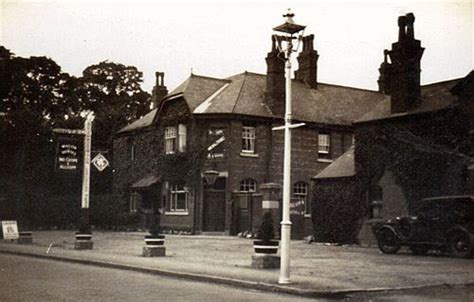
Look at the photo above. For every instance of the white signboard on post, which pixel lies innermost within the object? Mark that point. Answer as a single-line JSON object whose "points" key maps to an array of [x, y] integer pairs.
{"points": [[10, 229]]}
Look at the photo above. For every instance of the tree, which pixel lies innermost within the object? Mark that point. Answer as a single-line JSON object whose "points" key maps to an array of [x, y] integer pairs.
{"points": [[34, 95], [113, 91]]}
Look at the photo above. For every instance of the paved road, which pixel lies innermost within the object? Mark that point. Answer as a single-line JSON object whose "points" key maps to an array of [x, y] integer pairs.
{"points": [[30, 279]]}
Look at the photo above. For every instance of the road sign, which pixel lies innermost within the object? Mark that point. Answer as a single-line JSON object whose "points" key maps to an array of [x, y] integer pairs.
{"points": [[10, 229], [100, 162]]}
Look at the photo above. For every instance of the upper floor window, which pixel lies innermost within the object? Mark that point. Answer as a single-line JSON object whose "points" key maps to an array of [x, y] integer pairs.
{"points": [[248, 139], [175, 139], [248, 185], [300, 194], [324, 146]]}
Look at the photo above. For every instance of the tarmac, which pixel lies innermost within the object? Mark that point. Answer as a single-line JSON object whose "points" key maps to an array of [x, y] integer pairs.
{"points": [[317, 270]]}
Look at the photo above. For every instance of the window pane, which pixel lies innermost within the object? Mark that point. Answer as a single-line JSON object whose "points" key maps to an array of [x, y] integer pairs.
{"points": [[181, 201], [178, 198], [182, 138], [300, 193], [248, 185], [324, 143], [170, 140], [248, 139]]}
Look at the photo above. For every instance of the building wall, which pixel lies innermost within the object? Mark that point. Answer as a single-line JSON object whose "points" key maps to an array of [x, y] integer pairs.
{"points": [[265, 166]]}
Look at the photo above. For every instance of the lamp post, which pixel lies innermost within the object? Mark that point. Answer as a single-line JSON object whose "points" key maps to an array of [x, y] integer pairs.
{"points": [[289, 28]]}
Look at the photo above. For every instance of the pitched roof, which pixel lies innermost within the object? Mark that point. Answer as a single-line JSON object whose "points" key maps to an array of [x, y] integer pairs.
{"points": [[142, 122], [344, 166], [245, 94], [434, 97], [196, 89]]}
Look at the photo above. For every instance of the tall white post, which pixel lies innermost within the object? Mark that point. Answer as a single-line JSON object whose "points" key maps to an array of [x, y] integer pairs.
{"points": [[87, 160], [286, 223]]}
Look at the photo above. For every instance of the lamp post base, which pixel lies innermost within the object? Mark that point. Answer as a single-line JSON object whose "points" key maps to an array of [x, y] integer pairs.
{"points": [[154, 251], [83, 242], [25, 237], [263, 261], [284, 281], [83, 245]]}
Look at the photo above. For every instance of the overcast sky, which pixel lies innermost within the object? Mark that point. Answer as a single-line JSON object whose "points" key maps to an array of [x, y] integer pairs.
{"points": [[218, 40]]}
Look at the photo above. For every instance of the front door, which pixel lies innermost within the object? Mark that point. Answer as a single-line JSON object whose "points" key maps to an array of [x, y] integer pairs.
{"points": [[214, 211]]}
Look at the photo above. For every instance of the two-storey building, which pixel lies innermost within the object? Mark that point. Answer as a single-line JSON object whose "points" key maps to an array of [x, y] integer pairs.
{"points": [[223, 127]]}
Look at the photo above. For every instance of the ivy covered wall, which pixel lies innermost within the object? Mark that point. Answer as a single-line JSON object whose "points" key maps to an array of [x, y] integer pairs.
{"points": [[423, 153]]}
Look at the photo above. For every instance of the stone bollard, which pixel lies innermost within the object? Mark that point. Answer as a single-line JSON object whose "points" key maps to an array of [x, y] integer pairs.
{"points": [[155, 246], [83, 242]]}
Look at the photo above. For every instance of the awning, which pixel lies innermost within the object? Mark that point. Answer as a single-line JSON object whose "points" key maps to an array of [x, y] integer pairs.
{"points": [[146, 181]]}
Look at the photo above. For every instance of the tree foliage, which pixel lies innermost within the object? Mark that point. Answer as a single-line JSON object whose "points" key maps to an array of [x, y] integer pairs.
{"points": [[113, 91], [37, 96]]}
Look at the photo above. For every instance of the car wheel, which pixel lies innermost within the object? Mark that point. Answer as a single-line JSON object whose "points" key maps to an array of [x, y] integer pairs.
{"points": [[462, 245], [419, 249], [388, 242]]}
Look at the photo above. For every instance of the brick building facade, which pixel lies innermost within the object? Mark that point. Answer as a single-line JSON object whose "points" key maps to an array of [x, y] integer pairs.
{"points": [[225, 126]]}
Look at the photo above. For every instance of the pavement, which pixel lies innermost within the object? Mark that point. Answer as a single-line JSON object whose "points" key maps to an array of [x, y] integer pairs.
{"points": [[317, 270]]}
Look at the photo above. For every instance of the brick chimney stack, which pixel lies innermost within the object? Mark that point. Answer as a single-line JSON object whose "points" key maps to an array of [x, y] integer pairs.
{"points": [[385, 71], [159, 90], [308, 63], [275, 90], [405, 56]]}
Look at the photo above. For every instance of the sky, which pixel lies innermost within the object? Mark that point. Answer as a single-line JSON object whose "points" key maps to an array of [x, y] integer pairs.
{"points": [[223, 38]]}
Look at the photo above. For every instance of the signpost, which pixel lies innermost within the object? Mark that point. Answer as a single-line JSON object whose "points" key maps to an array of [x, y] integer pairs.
{"points": [[66, 158]]}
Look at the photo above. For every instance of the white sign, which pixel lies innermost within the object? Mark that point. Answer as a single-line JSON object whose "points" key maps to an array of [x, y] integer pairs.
{"points": [[100, 162], [10, 229]]}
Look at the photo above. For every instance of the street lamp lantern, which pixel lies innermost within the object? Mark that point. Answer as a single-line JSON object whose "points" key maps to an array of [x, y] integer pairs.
{"points": [[289, 29]]}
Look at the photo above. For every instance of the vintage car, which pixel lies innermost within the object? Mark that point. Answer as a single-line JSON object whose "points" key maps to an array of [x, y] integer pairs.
{"points": [[440, 223]]}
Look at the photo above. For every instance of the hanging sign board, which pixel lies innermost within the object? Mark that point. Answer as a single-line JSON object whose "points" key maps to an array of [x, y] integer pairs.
{"points": [[10, 229], [68, 154]]}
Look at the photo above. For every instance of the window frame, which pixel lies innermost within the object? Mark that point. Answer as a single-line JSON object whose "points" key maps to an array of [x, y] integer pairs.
{"points": [[324, 143], [249, 137], [375, 201], [175, 190], [246, 184], [175, 138], [298, 188], [170, 137], [134, 202]]}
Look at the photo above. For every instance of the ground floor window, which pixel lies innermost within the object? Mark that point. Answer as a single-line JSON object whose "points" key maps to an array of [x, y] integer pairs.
{"points": [[178, 200], [375, 200], [300, 195]]}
